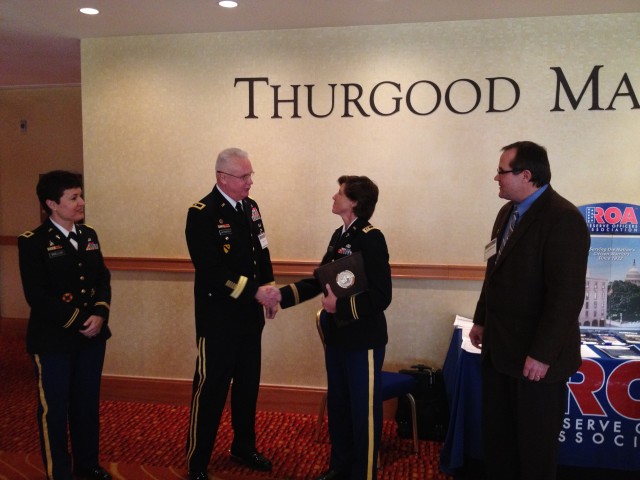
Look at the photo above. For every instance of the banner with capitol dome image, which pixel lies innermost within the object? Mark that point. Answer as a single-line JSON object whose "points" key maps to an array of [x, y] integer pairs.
{"points": [[612, 296], [601, 427]]}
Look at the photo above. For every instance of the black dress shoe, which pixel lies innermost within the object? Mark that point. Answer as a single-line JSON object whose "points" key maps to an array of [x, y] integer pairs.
{"points": [[255, 461], [331, 475], [198, 475], [95, 473]]}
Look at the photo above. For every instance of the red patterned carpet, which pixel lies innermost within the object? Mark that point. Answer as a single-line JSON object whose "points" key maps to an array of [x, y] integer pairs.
{"points": [[146, 441]]}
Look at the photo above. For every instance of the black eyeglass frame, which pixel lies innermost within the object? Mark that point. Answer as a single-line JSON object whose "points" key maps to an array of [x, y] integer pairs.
{"points": [[515, 171]]}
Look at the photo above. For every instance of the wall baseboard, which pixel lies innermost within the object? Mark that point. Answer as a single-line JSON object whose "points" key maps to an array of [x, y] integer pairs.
{"points": [[274, 398], [178, 392], [14, 326]]}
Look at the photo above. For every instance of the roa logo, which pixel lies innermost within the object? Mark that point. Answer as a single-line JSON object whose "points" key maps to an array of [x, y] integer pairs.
{"points": [[614, 216]]}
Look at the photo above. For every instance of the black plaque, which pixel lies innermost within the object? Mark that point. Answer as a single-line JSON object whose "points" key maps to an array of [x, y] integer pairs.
{"points": [[346, 275]]}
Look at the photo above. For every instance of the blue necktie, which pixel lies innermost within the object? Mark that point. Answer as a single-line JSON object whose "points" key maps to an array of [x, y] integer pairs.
{"points": [[513, 219]]}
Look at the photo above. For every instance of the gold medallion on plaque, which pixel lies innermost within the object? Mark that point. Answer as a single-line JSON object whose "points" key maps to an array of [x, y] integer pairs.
{"points": [[345, 279]]}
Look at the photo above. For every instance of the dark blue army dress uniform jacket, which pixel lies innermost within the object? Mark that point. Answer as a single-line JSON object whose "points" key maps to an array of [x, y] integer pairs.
{"points": [[64, 287], [231, 257], [364, 312]]}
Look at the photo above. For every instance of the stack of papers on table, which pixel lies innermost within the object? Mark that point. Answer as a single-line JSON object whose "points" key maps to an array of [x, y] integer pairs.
{"points": [[465, 325], [586, 352]]}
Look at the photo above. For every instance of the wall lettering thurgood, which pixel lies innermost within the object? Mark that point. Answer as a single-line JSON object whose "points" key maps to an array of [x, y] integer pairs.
{"points": [[422, 97]]}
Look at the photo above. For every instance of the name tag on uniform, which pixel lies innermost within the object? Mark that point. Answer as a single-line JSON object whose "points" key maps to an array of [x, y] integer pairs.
{"points": [[57, 253], [490, 249], [263, 240], [224, 229]]}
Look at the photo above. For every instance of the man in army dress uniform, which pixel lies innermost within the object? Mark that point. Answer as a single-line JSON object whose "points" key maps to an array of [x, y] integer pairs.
{"points": [[67, 286], [233, 283]]}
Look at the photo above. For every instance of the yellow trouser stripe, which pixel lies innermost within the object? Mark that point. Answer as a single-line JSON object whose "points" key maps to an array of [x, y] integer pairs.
{"points": [[45, 426], [195, 404], [370, 454]]}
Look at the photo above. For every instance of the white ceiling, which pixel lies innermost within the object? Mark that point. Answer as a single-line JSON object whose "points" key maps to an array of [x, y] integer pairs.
{"points": [[40, 39]]}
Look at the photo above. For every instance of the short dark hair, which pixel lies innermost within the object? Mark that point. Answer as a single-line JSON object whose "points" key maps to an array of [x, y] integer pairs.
{"points": [[533, 157], [362, 190], [52, 185]]}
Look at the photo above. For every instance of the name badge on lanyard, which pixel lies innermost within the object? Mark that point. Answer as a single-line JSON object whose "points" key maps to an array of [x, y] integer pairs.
{"points": [[263, 240], [490, 249]]}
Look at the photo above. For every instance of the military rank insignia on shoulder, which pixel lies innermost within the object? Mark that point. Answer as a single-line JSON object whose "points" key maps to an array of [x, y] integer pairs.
{"points": [[27, 234], [368, 228], [198, 205]]}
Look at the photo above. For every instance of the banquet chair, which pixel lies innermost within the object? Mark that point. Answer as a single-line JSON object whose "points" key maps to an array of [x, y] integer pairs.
{"points": [[394, 385]]}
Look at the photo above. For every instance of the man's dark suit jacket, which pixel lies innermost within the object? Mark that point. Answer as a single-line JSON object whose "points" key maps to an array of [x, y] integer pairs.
{"points": [[230, 262], [533, 293]]}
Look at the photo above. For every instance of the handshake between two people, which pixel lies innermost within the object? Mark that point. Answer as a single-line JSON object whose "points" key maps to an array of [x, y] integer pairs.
{"points": [[269, 296]]}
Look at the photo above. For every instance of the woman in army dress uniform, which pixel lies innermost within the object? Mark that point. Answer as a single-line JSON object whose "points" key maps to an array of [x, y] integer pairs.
{"points": [[67, 286], [354, 351]]}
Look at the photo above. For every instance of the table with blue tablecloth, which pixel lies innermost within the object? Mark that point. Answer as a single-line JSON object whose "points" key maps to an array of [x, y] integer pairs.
{"points": [[601, 428]]}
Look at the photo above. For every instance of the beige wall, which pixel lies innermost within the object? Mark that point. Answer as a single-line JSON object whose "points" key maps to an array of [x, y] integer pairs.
{"points": [[152, 321], [157, 109], [53, 140]]}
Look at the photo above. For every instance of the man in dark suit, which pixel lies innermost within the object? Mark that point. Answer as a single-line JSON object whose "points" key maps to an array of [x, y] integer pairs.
{"points": [[67, 286], [526, 320], [233, 281]]}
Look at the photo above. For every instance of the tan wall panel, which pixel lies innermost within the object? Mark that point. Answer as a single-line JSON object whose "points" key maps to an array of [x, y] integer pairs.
{"points": [[157, 109], [152, 322], [53, 140]]}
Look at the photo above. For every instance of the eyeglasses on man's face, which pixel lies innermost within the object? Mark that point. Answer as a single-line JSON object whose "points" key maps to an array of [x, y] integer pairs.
{"points": [[515, 171], [244, 178]]}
